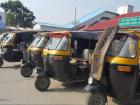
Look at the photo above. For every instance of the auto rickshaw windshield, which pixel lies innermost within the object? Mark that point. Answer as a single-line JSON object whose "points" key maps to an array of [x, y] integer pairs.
{"points": [[58, 43], [35, 41], [8, 39], [123, 46], [2, 36], [41, 43]]}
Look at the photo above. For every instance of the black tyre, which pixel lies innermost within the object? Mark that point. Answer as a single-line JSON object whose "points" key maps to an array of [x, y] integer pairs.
{"points": [[1, 62], [96, 99], [26, 71], [42, 83]]}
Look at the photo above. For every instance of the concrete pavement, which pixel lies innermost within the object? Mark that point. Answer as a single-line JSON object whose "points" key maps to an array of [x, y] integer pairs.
{"points": [[15, 89]]}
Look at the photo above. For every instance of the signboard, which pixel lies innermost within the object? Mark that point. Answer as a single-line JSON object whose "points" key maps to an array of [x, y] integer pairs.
{"points": [[133, 21]]}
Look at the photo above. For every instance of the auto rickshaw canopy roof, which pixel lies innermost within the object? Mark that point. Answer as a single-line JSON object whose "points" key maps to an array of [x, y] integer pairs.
{"points": [[89, 35], [24, 32], [130, 31], [43, 34]]}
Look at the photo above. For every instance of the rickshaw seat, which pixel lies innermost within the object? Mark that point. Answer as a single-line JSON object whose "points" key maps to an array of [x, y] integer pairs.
{"points": [[87, 54], [80, 63], [73, 61]]}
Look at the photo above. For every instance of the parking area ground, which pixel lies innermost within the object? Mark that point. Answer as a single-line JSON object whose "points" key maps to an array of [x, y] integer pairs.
{"points": [[15, 89]]}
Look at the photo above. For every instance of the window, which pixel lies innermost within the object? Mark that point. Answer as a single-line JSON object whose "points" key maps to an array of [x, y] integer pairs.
{"points": [[63, 45], [122, 46], [35, 41], [8, 39], [116, 45], [2, 36], [129, 48], [42, 43], [58, 43]]}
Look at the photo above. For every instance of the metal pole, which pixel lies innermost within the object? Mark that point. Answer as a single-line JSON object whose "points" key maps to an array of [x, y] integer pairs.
{"points": [[75, 18]]}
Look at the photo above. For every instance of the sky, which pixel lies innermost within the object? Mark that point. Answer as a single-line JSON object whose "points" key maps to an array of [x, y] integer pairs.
{"points": [[61, 12]]}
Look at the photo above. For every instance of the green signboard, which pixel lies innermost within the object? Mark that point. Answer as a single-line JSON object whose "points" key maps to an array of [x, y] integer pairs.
{"points": [[134, 21]]}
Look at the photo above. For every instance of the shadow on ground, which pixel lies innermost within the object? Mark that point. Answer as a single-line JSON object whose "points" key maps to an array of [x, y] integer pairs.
{"points": [[70, 87], [5, 100], [13, 67], [132, 103]]}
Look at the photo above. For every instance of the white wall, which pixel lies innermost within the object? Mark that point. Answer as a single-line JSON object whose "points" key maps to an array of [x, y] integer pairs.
{"points": [[124, 9], [48, 28]]}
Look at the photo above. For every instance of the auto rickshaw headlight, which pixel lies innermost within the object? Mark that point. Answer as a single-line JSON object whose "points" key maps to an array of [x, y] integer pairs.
{"points": [[124, 68], [90, 80]]}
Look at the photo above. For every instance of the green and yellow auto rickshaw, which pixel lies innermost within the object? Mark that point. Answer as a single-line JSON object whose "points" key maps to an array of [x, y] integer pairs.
{"points": [[12, 44], [33, 55], [66, 58], [115, 67]]}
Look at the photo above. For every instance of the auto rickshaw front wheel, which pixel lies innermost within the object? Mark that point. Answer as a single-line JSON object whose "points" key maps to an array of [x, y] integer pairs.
{"points": [[42, 83], [26, 71], [96, 99], [1, 62]]}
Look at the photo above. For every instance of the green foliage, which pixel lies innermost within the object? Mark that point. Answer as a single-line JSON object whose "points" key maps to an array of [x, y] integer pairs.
{"points": [[17, 14]]}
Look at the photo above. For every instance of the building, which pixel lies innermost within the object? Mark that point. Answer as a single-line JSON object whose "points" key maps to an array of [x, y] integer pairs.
{"points": [[124, 9], [90, 19], [110, 23], [2, 19], [48, 27]]}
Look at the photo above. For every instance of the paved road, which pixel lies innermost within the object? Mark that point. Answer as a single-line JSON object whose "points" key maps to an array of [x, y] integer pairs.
{"points": [[14, 89]]}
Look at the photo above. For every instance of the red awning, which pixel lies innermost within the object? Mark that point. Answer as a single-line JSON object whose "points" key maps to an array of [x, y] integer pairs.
{"points": [[110, 23]]}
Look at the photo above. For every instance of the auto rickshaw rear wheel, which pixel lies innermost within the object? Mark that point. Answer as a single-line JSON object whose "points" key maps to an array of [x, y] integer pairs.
{"points": [[26, 71], [1, 62], [96, 99], [42, 83]]}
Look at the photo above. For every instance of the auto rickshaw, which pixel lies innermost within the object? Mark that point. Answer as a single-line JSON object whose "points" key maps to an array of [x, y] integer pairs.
{"points": [[66, 58], [115, 67], [11, 45], [33, 55], [2, 36]]}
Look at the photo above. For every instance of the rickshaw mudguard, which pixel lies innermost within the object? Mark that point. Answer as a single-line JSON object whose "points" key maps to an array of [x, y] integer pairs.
{"points": [[95, 88], [27, 64], [43, 73], [123, 84]]}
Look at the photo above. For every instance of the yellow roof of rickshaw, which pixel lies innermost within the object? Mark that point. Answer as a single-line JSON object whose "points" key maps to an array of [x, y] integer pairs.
{"points": [[130, 31], [44, 34]]}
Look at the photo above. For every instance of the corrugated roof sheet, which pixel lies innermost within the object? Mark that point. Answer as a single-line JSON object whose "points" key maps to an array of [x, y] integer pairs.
{"points": [[71, 24], [109, 23], [84, 18]]}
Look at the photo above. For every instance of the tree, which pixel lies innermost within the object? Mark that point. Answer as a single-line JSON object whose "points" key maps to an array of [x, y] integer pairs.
{"points": [[17, 14]]}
